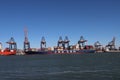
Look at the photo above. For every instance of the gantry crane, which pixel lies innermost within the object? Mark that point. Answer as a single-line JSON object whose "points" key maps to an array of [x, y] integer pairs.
{"points": [[81, 42], [97, 45], [0, 46], [111, 44], [66, 42], [12, 44], [26, 42], [43, 43], [60, 42]]}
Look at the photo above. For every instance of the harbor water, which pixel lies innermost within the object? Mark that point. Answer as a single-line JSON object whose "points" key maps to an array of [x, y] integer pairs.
{"points": [[92, 66]]}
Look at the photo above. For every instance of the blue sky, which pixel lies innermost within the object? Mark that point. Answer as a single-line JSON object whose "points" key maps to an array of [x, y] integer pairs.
{"points": [[96, 20]]}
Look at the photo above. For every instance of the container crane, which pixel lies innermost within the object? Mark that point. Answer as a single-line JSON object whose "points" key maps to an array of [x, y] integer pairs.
{"points": [[97, 45], [26, 42], [111, 44], [60, 45], [81, 42], [60, 42], [66, 42], [66, 46], [0, 46], [43, 43], [12, 44]]}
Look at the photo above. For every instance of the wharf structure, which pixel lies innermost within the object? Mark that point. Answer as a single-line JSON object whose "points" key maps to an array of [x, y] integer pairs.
{"points": [[63, 46]]}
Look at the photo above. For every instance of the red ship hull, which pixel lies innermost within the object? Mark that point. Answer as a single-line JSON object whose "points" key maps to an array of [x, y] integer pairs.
{"points": [[7, 52]]}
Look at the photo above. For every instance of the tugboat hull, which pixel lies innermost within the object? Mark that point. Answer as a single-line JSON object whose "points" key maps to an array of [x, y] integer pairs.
{"points": [[7, 53]]}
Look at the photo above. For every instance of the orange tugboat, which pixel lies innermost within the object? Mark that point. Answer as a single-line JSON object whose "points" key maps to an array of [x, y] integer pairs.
{"points": [[11, 50]]}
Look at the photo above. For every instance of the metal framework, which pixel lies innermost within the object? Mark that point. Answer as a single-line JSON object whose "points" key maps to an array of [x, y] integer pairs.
{"points": [[43, 43], [111, 44], [81, 42], [97, 45], [66, 42], [26, 42], [12, 44], [60, 42]]}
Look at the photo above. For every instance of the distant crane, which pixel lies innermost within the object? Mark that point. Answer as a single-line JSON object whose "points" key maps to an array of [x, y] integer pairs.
{"points": [[43, 43], [26, 42], [60, 42], [12, 44], [81, 42], [66, 42], [0, 46], [97, 45], [111, 44]]}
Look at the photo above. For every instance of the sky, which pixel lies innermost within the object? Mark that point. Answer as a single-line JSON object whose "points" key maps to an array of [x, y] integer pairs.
{"points": [[95, 20]]}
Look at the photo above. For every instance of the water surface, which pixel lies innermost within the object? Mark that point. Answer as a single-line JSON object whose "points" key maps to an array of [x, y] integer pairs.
{"points": [[101, 66]]}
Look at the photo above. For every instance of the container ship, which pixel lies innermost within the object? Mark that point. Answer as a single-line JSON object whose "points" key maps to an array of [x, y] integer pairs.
{"points": [[35, 51]]}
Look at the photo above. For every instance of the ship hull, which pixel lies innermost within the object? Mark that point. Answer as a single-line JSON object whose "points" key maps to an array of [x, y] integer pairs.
{"points": [[82, 51], [7, 53], [86, 51], [50, 52], [35, 52], [113, 51]]}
